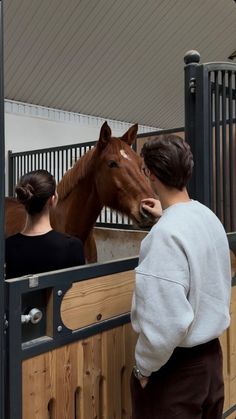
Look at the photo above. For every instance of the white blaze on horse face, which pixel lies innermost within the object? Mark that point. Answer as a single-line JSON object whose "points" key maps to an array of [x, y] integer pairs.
{"points": [[124, 154]]}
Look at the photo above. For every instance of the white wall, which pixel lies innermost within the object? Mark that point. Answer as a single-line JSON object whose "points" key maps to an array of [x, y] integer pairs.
{"points": [[29, 127], [24, 133]]}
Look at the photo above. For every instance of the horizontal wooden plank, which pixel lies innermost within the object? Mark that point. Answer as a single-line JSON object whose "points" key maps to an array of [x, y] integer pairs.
{"points": [[233, 262], [98, 299]]}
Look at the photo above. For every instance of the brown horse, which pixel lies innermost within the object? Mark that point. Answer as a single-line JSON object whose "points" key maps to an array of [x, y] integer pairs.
{"points": [[108, 175]]}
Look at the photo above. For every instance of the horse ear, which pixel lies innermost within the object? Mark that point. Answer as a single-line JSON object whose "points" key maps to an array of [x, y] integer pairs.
{"points": [[130, 136], [105, 135]]}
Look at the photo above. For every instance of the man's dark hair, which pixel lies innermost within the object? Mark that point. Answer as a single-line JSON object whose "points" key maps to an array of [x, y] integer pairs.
{"points": [[170, 159], [34, 189]]}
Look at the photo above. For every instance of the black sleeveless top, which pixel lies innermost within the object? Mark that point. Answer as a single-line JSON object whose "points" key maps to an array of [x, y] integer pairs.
{"points": [[47, 252]]}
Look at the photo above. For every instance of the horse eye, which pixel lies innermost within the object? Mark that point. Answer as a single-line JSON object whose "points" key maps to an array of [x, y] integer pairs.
{"points": [[112, 163]]}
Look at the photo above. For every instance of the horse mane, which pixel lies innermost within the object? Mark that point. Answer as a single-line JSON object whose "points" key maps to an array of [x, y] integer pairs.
{"points": [[72, 176]]}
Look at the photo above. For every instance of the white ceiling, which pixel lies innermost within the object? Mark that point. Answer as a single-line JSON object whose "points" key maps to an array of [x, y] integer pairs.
{"points": [[118, 59]]}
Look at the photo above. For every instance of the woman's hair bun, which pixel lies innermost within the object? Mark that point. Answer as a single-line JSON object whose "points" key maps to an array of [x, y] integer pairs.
{"points": [[25, 193], [34, 189]]}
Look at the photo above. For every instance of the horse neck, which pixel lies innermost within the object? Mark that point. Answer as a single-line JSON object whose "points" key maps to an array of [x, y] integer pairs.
{"points": [[77, 213]]}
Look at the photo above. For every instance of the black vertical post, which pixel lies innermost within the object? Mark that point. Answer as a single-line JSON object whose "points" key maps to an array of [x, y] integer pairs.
{"points": [[2, 247], [191, 59], [197, 126], [10, 173]]}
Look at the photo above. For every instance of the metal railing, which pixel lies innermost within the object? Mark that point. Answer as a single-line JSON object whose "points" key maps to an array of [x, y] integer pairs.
{"points": [[210, 128], [57, 160]]}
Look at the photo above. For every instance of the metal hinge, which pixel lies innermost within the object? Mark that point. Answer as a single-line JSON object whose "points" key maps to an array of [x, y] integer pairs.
{"points": [[33, 281], [192, 85], [5, 323]]}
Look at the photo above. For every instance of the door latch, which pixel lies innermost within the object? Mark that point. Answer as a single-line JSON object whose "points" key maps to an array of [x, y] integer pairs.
{"points": [[34, 316]]}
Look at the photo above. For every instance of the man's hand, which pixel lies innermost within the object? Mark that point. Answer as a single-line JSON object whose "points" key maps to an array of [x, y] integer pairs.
{"points": [[153, 206], [141, 378], [143, 381]]}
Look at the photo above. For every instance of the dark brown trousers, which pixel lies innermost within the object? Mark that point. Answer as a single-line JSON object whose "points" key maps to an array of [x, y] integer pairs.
{"points": [[189, 386]]}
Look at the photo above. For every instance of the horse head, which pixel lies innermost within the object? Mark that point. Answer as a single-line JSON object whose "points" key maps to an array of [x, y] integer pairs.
{"points": [[120, 182]]}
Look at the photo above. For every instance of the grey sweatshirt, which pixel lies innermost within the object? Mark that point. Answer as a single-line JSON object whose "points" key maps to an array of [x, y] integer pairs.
{"points": [[183, 284]]}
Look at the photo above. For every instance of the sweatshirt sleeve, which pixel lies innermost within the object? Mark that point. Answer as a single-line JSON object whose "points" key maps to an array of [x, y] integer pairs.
{"points": [[161, 314]]}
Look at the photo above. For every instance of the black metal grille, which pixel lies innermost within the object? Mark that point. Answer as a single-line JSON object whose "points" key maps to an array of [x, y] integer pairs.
{"points": [[57, 160], [210, 128], [223, 148]]}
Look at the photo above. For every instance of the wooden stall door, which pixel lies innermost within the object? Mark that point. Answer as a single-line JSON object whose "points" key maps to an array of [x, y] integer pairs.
{"points": [[89, 379], [84, 380]]}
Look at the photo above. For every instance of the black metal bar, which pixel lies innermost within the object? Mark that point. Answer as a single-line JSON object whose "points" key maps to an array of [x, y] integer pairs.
{"points": [[218, 146], [62, 163], [32, 161], [117, 217], [19, 165], [229, 412], [2, 215], [234, 134], [67, 153], [52, 149], [58, 165], [105, 212], [225, 158], [70, 158], [37, 347], [161, 131], [54, 163], [28, 163], [191, 60], [216, 65], [14, 356], [211, 146], [227, 90], [204, 179], [231, 153], [75, 274], [11, 168], [76, 151]]}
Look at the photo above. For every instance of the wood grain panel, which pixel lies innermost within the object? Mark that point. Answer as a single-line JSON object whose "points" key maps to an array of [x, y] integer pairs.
{"points": [[83, 380], [36, 388], [233, 263], [90, 378], [91, 301], [224, 345], [65, 381], [228, 343], [232, 416], [232, 350]]}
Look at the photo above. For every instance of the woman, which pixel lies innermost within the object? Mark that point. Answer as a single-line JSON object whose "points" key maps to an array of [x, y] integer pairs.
{"points": [[38, 248]]}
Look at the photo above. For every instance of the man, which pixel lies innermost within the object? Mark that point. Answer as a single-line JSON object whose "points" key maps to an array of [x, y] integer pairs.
{"points": [[182, 295]]}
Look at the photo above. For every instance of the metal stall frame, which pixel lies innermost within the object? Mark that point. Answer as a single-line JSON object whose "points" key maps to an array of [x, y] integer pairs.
{"points": [[3, 320], [58, 283], [210, 116]]}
